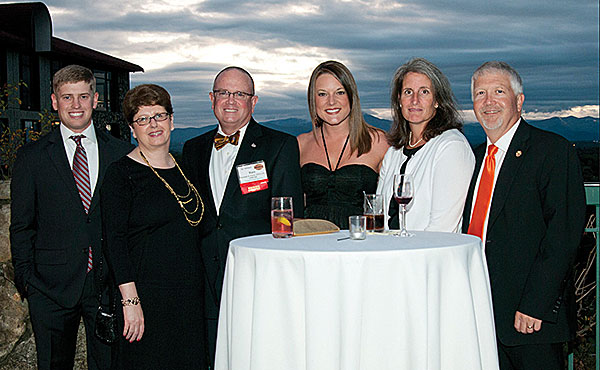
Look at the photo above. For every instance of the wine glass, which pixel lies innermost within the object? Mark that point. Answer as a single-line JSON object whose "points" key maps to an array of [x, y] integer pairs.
{"points": [[403, 194]]}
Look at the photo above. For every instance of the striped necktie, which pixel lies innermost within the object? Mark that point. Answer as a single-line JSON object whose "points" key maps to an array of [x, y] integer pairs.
{"points": [[81, 173]]}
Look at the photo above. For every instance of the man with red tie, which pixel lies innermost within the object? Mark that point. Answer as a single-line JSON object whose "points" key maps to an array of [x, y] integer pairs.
{"points": [[220, 163], [55, 230], [526, 202]]}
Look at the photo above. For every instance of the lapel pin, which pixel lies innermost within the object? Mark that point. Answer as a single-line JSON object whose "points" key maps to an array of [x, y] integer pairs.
{"points": [[253, 145], [518, 153]]}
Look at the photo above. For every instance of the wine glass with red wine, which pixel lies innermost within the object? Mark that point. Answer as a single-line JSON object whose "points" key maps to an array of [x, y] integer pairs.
{"points": [[403, 194]]}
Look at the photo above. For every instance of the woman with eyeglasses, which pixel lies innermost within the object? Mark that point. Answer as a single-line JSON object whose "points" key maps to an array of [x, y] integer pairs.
{"points": [[150, 213], [341, 156]]}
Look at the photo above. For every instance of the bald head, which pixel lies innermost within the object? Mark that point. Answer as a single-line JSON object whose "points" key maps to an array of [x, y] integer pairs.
{"points": [[233, 99], [238, 69]]}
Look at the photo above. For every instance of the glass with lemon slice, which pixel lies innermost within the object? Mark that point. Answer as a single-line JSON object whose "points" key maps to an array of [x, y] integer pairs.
{"points": [[282, 217]]}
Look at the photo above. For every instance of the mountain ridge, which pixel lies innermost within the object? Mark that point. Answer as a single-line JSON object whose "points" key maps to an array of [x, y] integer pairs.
{"points": [[572, 128]]}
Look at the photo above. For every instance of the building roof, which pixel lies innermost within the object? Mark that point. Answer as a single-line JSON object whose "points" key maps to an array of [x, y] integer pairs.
{"points": [[28, 27], [74, 51]]}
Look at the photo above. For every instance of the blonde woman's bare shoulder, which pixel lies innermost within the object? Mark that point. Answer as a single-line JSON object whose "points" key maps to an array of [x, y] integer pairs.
{"points": [[305, 138], [379, 140]]}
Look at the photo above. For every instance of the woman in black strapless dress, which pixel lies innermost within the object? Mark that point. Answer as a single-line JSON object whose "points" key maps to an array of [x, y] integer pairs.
{"points": [[340, 157]]}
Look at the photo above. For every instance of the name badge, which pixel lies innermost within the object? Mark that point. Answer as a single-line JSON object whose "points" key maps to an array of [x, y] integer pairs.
{"points": [[252, 177]]}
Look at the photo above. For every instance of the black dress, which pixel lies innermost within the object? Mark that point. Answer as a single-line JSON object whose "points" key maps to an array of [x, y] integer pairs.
{"points": [[149, 242], [335, 195]]}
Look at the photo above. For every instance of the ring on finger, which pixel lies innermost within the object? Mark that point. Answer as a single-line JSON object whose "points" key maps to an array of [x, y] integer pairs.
{"points": [[529, 326]]}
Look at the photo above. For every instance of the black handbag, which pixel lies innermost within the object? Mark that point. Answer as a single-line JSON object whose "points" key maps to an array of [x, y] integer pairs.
{"points": [[106, 329], [106, 326]]}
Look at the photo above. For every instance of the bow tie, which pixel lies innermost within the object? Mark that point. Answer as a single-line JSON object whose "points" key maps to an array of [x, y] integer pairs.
{"points": [[221, 141]]}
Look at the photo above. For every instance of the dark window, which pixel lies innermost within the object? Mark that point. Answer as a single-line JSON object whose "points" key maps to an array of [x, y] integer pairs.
{"points": [[3, 72], [29, 75], [103, 87], [2, 67], [30, 125], [55, 65]]}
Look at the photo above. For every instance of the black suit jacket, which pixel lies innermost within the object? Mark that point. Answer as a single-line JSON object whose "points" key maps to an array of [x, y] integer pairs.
{"points": [[535, 224], [50, 232], [240, 214]]}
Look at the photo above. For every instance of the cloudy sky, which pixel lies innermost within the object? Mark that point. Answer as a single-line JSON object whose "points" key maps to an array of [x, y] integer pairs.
{"points": [[182, 44]]}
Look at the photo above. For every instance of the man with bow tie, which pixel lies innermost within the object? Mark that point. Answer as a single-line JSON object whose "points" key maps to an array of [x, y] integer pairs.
{"points": [[218, 163], [526, 202]]}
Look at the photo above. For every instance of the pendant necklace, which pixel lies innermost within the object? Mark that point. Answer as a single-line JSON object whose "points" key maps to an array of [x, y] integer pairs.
{"points": [[327, 153]]}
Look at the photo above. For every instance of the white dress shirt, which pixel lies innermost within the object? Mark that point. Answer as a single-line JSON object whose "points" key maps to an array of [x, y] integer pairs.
{"points": [[502, 144], [89, 143], [221, 163], [441, 170]]}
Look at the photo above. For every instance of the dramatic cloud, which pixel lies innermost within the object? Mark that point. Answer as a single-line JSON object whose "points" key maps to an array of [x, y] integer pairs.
{"points": [[182, 44]]}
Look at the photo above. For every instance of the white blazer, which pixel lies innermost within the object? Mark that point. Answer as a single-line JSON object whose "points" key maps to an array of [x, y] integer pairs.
{"points": [[442, 171]]}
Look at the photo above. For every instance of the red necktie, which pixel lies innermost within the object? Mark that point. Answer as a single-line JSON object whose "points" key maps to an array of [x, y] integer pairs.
{"points": [[81, 174], [484, 193], [221, 141]]}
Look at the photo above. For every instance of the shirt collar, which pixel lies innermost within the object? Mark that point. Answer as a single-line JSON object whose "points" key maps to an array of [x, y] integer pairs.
{"points": [[242, 131], [89, 133], [504, 142]]}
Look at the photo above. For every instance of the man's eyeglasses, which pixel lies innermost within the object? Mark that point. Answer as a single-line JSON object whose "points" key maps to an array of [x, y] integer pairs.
{"points": [[237, 95], [159, 117]]}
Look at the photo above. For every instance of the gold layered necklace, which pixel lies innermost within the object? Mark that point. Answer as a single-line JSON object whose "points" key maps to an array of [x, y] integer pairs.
{"points": [[183, 200]]}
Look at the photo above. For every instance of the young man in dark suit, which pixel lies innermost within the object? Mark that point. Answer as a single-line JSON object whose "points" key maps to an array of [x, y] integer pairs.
{"points": [[55, 230], [217, 162], [526, 201]]}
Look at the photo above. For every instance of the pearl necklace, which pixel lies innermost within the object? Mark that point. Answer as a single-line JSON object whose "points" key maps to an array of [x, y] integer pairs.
{"points": [[412, 146]]}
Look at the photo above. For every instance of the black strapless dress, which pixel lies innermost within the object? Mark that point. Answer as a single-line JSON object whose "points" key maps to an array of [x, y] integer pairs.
{"points": [[335, 195]]}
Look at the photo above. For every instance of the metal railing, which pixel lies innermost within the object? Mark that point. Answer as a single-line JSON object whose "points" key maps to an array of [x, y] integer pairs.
{"points": [[592, 196]]}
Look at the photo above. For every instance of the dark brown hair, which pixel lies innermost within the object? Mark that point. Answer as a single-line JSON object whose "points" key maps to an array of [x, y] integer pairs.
{"points": [[145, 95], [446, 116]]}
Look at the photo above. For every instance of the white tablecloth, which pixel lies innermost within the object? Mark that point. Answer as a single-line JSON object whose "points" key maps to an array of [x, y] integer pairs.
{"points": [[420, 303]]}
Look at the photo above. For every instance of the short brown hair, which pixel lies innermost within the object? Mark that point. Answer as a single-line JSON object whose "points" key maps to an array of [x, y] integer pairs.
{"points": [[72, 74], [145, 95]]}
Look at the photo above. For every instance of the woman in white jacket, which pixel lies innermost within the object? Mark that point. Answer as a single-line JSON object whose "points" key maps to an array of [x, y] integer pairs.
{"points": [[426, 142]]}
